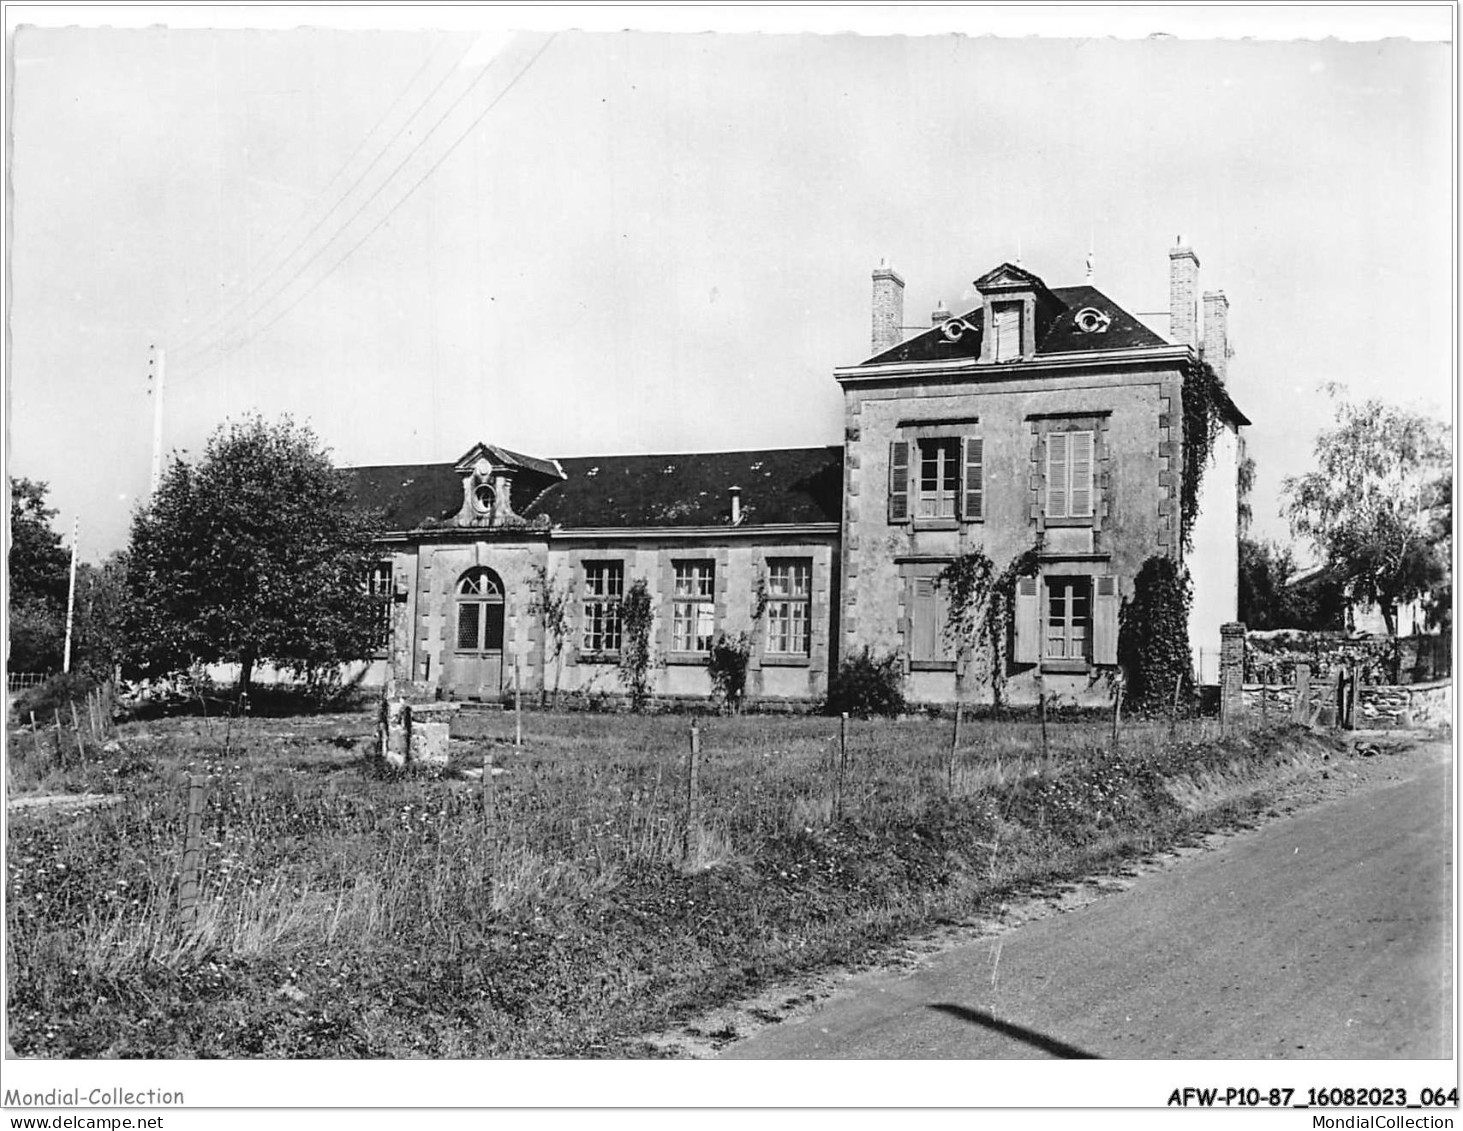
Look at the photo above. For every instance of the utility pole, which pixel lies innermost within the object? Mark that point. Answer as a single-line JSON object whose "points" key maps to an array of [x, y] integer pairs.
{"points": [[155, 376], [71, 594]]}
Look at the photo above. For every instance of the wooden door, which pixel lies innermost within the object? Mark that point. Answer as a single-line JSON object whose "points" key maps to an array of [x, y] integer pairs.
{"points": [[477, 637]]}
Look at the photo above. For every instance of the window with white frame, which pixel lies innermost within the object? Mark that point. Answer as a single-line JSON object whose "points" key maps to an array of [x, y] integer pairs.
{"points": [[1068, 633], [1069, 466], [939, 478], [789, 606], [604, 588], [693, 606], [479, 612]]}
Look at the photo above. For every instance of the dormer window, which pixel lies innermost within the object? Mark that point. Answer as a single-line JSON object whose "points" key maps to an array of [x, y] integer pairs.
{"points": [[1018, 308], [483, 497], [1006, 319]]}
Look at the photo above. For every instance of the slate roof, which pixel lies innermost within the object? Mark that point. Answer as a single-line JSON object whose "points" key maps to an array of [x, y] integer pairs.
{"points": [[782, 485], [1061, 334], [407, 495]]}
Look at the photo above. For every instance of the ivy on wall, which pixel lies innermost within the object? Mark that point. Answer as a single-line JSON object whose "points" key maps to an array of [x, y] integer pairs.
{"points": [[982, 612], [1203, 399], [1153, 634]]}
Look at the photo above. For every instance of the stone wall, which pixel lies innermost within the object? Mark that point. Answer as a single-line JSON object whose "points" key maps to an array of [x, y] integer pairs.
{"points": [[1382, 705], [1133, 508], [1270, 657]]}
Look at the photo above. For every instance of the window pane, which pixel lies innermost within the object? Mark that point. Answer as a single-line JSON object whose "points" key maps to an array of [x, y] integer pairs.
{"points": [[779, 578], [493, 627], [467, 626], [705, 625], [683, 613]]}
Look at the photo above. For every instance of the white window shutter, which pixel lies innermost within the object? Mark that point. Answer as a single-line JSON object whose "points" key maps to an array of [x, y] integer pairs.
{"points": [[1080, 453], [1027, 621], [972, 507], [1056, 475], [1105, 620]]}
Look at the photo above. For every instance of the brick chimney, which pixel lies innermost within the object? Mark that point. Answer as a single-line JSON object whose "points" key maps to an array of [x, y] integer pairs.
{"points": [[1183, 295], [940, 315], [1216, 333], [888, 307]]}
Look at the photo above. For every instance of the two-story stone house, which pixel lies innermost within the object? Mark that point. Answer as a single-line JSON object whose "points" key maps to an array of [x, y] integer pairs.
{"points": [[1045, 419], [1042, 419]]}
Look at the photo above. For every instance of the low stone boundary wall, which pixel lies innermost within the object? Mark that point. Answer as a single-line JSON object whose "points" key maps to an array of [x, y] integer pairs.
{"points": [[1408, 705]]}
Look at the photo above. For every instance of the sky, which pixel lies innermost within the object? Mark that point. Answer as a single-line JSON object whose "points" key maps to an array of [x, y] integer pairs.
{"points": [[595, 241]]}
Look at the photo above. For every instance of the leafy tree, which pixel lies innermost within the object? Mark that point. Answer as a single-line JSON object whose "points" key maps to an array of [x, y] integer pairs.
{"points": [[37, 634], [256, 554], [39, 576], [1377, 503], [551, 601], [101, 600], [1265, 573]]}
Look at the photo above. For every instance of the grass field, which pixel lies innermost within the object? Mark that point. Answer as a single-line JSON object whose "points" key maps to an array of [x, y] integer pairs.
{"points": [[562, 906]]}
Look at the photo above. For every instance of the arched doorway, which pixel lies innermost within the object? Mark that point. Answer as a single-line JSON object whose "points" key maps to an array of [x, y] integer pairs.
{"points": [[477, 636]]}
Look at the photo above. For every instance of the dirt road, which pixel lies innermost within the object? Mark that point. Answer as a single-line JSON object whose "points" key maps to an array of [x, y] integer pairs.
{"points": [[1324, 935]]}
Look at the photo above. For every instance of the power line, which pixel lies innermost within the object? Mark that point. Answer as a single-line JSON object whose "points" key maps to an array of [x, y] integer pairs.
{"points": [[254, 290], [389, 213]]}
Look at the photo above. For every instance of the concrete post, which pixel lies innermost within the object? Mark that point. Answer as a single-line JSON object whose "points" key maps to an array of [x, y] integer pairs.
{"points": [[1300, 710]]}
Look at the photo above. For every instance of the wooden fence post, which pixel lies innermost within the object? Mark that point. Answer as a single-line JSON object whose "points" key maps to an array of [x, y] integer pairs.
{"points": [[490, 809], [954, 746], [842, 765], [1041, 703], [517, 702], [693, 789], [1117, 715], [192, 850], [60, 742], [76, 732]]}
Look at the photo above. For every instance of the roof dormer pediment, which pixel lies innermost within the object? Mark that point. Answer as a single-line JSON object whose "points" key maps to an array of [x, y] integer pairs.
{"points": [[504, 460], [1008, 277]]}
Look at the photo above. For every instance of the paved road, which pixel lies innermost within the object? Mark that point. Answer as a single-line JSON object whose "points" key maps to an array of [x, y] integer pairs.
{"points": [[1326, 935]]}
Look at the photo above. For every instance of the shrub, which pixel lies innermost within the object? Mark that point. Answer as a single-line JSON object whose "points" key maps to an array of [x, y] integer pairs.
{"points": [[637, 615], [727, 664], [52, 696], [865, 686]]}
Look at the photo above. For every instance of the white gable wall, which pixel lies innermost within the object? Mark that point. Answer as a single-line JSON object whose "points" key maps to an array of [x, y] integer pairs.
{"points": [[1214, 561]]}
